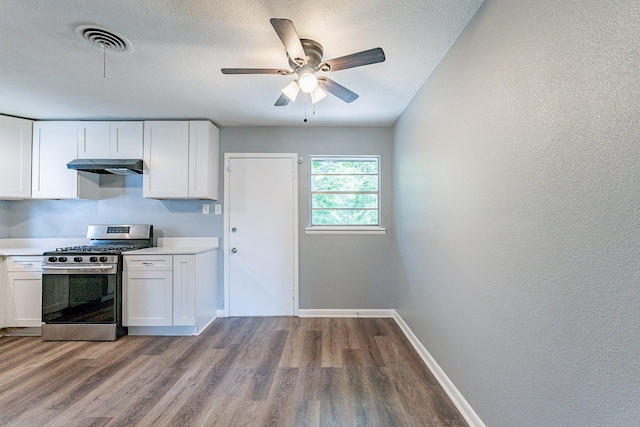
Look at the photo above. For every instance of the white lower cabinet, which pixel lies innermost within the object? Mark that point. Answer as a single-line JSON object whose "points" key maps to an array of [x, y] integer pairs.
{"points": [[184, 290], [23, 291], [148, 298], [147, 291], [169, 291], [3, 304]]}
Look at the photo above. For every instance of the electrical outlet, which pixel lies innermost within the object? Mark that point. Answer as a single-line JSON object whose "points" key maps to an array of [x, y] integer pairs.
{"points": [[217, 209], [205, 209]]}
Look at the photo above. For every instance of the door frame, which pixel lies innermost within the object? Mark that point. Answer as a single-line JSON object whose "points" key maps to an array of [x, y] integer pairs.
{"points": [[226, 231]]}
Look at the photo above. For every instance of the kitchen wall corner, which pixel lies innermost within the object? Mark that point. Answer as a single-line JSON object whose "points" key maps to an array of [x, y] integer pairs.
{"points": [[4, 219]]}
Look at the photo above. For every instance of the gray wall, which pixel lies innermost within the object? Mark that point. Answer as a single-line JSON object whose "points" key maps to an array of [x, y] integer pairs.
{"points": [[336, 271], [517, 213], [4, 219]]}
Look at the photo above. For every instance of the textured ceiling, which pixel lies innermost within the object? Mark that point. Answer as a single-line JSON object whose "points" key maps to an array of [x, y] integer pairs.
{"points": [[179, 46]]}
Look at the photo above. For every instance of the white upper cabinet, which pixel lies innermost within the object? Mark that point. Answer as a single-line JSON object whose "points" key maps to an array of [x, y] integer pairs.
{"points": [[203, 160], [55, 143], [110, 140], [166, 157], [15, 158], [126, 140], [181, 160], [94, 140]]}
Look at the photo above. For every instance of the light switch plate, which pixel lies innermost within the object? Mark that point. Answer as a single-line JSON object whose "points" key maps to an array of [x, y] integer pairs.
{"points": [[217, 209], [205, 209]]}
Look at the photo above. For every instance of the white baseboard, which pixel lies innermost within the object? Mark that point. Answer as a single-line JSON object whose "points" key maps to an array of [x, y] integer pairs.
{"points": [[345, 313], [463, 406], [313, 312]]}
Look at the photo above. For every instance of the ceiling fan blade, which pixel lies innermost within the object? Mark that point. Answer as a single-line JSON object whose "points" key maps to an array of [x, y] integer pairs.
{"points": [[289, 38], [366, 57], [337, 89], [282, 101], [255, 71]]}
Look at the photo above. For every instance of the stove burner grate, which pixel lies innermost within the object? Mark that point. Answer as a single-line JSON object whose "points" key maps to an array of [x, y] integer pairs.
{"points": [[100, 248]]}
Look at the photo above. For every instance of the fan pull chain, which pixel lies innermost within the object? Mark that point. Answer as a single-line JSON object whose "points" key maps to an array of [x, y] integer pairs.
{"points": [[305, 109], [104, 61]]}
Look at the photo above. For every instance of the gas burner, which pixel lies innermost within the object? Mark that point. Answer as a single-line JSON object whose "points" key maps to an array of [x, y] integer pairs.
{"points": [[100, 248], [110, 240]]}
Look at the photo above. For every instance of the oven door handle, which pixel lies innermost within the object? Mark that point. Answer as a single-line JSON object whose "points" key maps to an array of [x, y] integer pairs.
{"points": [[78, 268]]}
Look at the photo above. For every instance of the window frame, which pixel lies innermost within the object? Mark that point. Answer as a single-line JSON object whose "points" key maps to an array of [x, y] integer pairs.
{"points": [[351, 228]]}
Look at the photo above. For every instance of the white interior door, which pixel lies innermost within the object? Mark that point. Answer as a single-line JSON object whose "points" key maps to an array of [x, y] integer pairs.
{"points": [[261, 271]]}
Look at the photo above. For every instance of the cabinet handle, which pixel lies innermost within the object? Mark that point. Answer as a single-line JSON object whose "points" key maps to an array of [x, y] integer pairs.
{"points": [[147, 264], [27, 264]]}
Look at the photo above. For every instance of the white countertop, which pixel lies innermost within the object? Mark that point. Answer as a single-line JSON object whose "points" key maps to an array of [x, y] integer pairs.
{"points": [[166, 246], [23, 251], [179, 246], [172, 250], [36, 246]]}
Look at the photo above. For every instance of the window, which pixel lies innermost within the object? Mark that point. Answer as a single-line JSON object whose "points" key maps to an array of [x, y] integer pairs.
{"points": [[345, 191]]}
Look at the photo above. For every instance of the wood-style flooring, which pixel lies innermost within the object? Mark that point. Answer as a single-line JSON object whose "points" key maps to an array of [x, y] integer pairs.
{"points": [[274, 371]]}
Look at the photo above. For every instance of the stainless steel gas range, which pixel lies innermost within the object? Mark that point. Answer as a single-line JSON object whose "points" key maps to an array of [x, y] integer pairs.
{"points": [[82, 285]]}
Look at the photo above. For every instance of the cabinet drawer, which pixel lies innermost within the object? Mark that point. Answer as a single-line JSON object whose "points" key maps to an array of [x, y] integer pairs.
{"points": [[24, 263], [148, 262]]}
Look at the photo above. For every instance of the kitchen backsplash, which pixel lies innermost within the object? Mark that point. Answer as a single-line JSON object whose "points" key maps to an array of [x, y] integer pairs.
{"points": [[120, 201]]}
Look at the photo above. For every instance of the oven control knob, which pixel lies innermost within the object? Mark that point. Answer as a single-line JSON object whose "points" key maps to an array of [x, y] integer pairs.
{"points": [[103, 259], [78, 259], [62, 259], [52, 259], [93, 259]]}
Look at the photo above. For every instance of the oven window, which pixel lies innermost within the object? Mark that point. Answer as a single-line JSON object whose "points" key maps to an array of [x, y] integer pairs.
{"points": [[78, 298]]}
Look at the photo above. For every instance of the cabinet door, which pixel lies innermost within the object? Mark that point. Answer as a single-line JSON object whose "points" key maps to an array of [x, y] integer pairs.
{"points": [[147, 298], [15, 158], [203, 160], [184, 290], [166, 155], [24, 299], [126, 140], [94, 140], [3, 293], [54, 145]]}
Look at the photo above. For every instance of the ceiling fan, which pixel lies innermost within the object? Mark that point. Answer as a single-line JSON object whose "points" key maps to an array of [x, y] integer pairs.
{"points": [[305, 59]]}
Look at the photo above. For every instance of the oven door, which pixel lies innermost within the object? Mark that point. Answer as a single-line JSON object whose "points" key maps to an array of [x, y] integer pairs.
{"points": [[77, 294]]}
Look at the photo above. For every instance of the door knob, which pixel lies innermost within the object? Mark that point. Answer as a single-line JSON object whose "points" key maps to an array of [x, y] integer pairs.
{"points": [[233, 230], [234, 250]]}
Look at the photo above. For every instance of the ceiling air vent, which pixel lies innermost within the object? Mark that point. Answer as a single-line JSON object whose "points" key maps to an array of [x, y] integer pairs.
{"points": [[104, 39]]}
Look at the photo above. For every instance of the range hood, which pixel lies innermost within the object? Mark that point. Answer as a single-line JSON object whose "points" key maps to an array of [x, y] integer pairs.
{"points": [[106, 166]]}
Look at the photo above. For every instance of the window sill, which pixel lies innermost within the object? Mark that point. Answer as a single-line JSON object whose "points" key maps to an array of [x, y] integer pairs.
{"points": [[318, 229]]}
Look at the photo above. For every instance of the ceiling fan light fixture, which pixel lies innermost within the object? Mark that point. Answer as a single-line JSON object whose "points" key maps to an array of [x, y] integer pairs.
{"points": [[291, 90], [317, 95], [305, 59], [308, 82]]}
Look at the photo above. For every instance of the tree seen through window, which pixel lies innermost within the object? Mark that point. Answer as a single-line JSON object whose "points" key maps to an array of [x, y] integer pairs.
{"points": [[345, 190]]}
